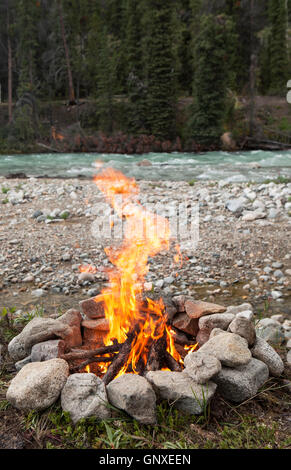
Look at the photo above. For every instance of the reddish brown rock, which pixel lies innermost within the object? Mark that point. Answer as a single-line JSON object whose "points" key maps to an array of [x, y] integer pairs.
{"points": [[94, 332], [101, 324], [179, 302], [184, 323], [202, 337], [93, 307], [197, 309]]}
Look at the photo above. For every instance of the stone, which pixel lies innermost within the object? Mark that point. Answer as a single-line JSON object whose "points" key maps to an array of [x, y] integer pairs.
{"points": [[265, 353], [202, 337], [276, 294], [38, 293], [20, 364], [93, 307], [230, 349], [181, 391], [236, 204], [248, 314], [250, 216], [197, 309], [271, 333], [47, 350], [39, 329], [84, 395], [235, 309], [86, 277], [243, 382], [278, 317], [179, 302], [288, 358], [101, 324], [184, 323], [217, 320], [201, 367], [38, 384], [28, 278], [135, 395], [144, 162], [243, 327], [288, 345]]}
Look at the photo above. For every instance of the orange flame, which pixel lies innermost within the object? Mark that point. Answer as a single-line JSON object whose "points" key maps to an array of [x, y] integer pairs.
{"points": [[145, 235]]}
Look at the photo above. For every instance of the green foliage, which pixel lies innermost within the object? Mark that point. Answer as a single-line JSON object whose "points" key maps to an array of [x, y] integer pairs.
{"points": [[278, 64], [4, 190], [161, 69], [210, 80]]}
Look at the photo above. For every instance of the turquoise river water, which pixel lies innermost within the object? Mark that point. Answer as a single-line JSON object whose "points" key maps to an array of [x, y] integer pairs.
{"points": [[254, 166]]}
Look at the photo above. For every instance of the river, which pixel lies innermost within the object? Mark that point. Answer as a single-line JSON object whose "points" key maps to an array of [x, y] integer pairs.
{"points": [[257, 165]]}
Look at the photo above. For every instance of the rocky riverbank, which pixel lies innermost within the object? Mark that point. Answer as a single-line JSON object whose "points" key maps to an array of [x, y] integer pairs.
{"points": [[243, 252]]}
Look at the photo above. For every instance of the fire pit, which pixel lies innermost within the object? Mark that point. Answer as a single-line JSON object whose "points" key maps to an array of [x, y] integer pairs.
{"points": [[129, 347]]}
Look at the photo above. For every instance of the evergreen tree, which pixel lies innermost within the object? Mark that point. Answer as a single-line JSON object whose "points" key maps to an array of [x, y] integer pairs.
{"points": [[278, 47], [136, 87], [28, 12], [106, 80], [210, 81], [161, 73]]}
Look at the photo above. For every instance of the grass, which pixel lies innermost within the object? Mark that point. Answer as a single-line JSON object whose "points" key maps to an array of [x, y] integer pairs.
{"points": [[192, 182], [259, 423], [279, 180], [53, 429], [4, 190]]}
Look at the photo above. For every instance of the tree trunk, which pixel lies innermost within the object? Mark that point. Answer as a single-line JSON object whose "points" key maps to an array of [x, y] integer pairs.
{"points": [[72, 99], [9, 69]]}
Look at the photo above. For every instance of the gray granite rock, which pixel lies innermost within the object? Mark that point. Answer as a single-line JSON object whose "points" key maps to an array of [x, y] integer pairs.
{"points": [[38, 384], [243, 382], [235, 309], [243, 327], [265, 353], [39, 329], [22, 363], [271, 333], [201, 367], [133, 394], [230, 349], [181, 391], [47, 350], [217, 320], [84, 395]]}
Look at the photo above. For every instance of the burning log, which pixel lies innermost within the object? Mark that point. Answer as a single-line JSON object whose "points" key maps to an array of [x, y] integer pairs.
{"points": [[73, 356], [156, 354], [121, 359], [171, 363], [91, 361]]}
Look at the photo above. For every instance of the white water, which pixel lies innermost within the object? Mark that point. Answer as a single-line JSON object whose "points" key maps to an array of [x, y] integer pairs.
{"points": [[232, 167]]}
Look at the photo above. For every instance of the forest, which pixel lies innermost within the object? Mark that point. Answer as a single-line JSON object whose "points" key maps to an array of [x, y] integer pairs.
{"points": [[177, 71]]}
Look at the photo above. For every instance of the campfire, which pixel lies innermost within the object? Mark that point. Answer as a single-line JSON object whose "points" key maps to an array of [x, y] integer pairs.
{"points": [[139, 338], [131, 347]]}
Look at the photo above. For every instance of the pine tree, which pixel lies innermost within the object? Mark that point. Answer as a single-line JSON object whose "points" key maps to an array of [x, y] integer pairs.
{"points": [[28, 12], [106, 81], [136, 87], [210, 81], [161, 73], [278, 47]]}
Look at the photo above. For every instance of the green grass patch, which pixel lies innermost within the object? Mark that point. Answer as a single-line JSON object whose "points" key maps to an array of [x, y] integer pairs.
{"points": [[279, 180]]}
